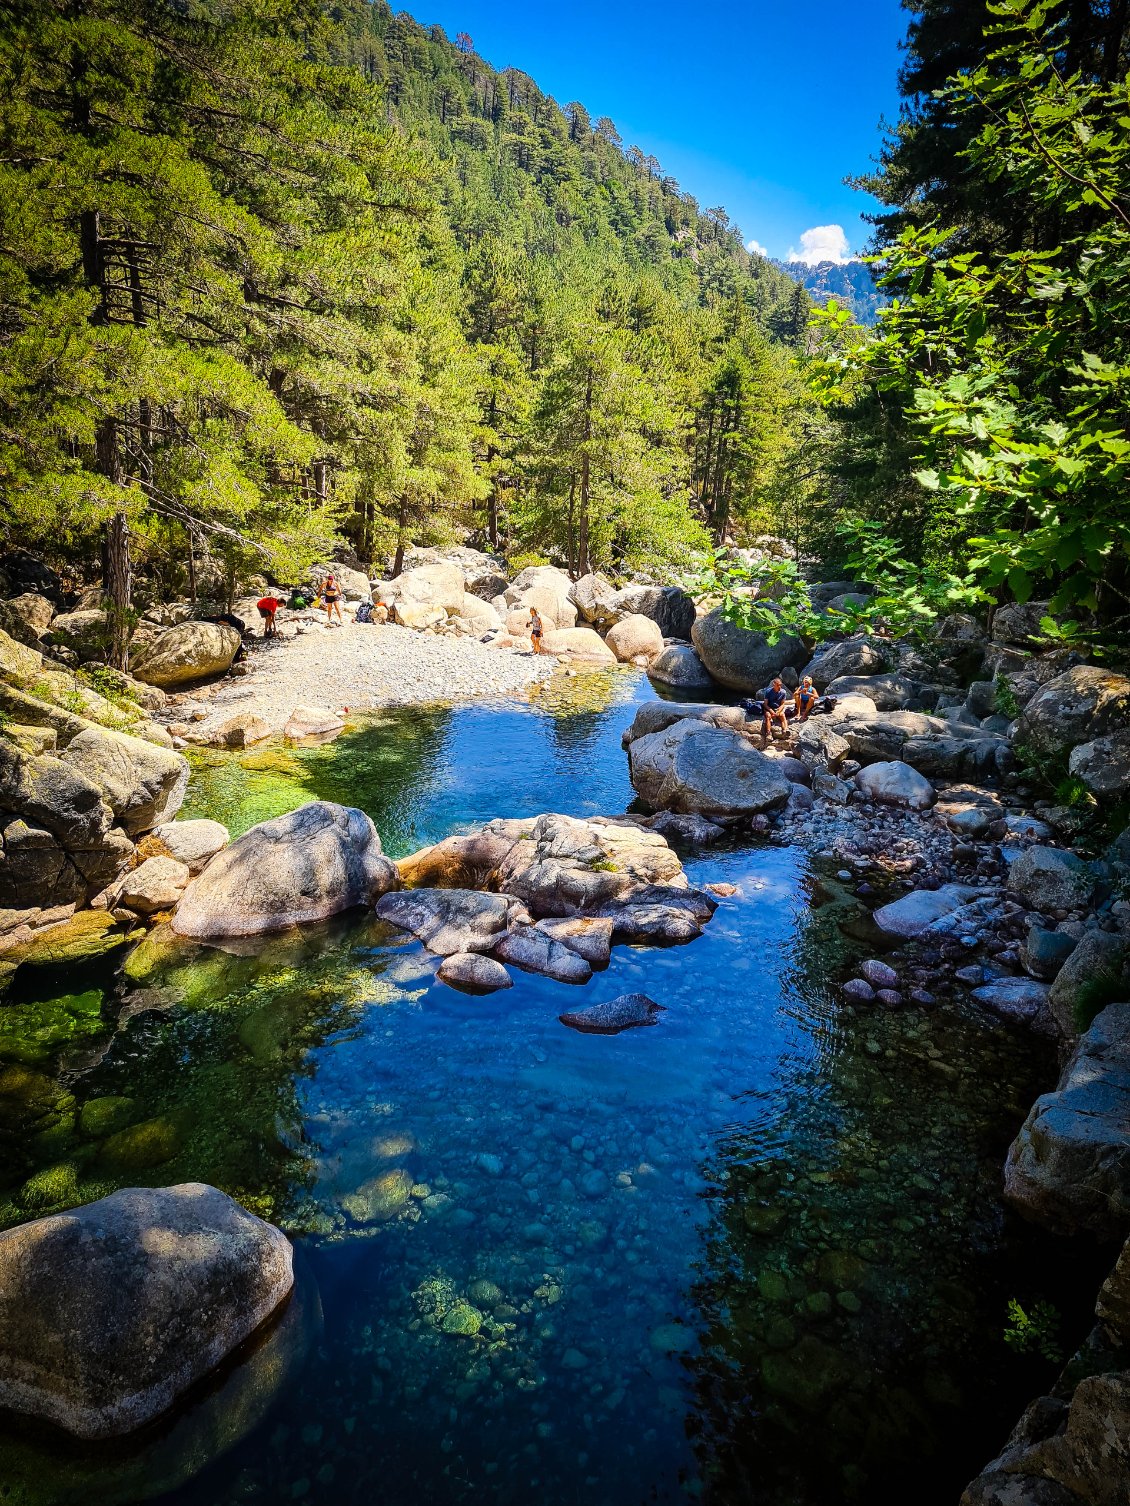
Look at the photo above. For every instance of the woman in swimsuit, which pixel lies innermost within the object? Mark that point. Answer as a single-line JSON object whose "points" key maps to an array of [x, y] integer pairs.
{"points": [[535, 628], [331, 595], [805, 699]]}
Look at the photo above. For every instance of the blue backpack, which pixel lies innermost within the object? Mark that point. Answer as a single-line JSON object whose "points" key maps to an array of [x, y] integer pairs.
{"points": [[364, 612]]}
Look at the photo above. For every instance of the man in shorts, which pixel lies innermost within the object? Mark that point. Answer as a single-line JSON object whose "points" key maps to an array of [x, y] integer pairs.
{"points": [[268, 606], [773, 709]]}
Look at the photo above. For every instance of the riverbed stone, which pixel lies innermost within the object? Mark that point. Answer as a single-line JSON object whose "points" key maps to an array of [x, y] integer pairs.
{"points": [[308, 865], [193, 842], [1050, 879], [1069, 1167], [474, 973], [1075, 707], [449, 921], [909, 916], [156, 884], [697, 769], [380, 1198], [739, 658], [590, 936], [888, 692], [625, 1012], [856, 656], [1103, 764], [1013, 998], [110, 1312], [896, 783], [635, 638]]}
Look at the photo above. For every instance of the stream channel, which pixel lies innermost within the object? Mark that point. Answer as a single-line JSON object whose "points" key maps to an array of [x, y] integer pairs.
{"points": [[756, 1253]]}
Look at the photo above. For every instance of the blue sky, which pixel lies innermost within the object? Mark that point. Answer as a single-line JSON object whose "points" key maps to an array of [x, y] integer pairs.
{"points": [[763, 107]]}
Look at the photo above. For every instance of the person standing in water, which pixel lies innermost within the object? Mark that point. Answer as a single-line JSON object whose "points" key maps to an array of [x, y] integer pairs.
{"points": [[535, 629], [331, 595]]}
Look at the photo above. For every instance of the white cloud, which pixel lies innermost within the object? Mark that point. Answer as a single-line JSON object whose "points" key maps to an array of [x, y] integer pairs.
{"points": [[823, 243], [755, 248]]}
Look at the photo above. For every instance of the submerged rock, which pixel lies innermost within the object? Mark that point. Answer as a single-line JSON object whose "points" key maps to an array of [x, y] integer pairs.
{"points": [[448, 921], [1013, 998], [310, 864], [474, 973], [910, 915], [532, 950], [1069, 1167], [626, 1012], [112, 1311]]}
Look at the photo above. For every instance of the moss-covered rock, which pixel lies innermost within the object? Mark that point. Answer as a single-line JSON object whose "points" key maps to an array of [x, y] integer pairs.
{"points": [[379, 1199], [99, 1117], [462, 1318], [142, 1146], [53, 1187]]}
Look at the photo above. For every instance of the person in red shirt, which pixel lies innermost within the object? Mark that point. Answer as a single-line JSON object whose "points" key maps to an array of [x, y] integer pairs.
{"points": [[268, 606]]}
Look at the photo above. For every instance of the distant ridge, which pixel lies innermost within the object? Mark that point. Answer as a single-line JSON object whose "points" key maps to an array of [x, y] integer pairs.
{"points": [[851, 284]]}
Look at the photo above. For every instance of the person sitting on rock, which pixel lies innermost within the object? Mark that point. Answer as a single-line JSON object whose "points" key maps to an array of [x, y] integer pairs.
{"points": [[805, 699], [268, 606], [535, 630], [773, 703], [380, 613]]}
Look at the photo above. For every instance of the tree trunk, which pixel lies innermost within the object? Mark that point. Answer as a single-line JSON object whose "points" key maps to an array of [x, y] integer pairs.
{"points": [[117, 589], [191, 569], [572, 540], [583, 524], [401, 539]]}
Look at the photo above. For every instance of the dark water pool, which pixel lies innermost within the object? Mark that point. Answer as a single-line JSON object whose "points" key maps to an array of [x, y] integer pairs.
{"points": [[753, 1254]]}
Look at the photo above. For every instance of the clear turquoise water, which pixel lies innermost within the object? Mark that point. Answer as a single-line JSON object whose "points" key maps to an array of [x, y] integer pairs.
{"points": [[754, 1253]]}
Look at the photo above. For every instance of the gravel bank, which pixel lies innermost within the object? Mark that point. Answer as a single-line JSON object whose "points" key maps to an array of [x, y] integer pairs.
{"points": [[364, 667]]}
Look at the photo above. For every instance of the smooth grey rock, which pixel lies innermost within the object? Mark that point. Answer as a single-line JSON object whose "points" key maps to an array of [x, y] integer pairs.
{"points": [[859, 990], [697, 769], [308, 865], [680, 667], [888, 692], [544, 578], [910, 915], [449, 921], [687, 831], [157, 884], [590, 936], [657, 716], [635, 637], [110, 1312], [474, 973], [1098, 961], [594, 597], [879, 974], [741, 659], [660, 917], [626, 1012], [669, 607], [142, 784], [1075, 707], [896, 783], [1103, 764], [1013, 998], [1069, 1167], [190, 651], [853, 657], [534, 951], [1044, 953], [946, 757], [193, 842], [1051, 879]]}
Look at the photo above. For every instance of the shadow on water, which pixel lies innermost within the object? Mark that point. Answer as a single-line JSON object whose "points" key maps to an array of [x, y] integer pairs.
{"points": [[754, 1253]]}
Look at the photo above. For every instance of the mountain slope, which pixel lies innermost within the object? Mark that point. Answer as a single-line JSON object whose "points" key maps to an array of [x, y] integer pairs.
{"points": [[851, 284]]}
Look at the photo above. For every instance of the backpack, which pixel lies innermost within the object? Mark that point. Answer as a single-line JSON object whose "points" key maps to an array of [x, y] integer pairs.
{"points": [[365, 612]]}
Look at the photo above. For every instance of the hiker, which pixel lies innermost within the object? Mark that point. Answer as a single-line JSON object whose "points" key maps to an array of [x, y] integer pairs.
{"points": [[773, 704], [331, 595], [268, 606], [805, 699], [535, 630]]}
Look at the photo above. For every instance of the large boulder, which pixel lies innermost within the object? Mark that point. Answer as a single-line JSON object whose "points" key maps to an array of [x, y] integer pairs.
{"points": [[880, 736], [1069, 1167], [87, 632], [680, 667], [635, 638], [1103, 764], [142, 784], [578, 644], [36, 610], [698, 769], [479, 615], [1051, 879], [1097, 963], [739, 658], [857, 656], [186, 653], [979, 755], [535, 951], [449, 921], [111, 1312], [656, 716], [1019, 622], [47, 792], [896, 783], [1075, 707], [888, 692], [41, 868], [305, 866], [549, 605], [594, 597], [433, 590], [669, 607], [554, 588]]}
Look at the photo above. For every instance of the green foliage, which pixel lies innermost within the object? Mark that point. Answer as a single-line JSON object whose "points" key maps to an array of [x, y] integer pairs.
{"points": [[1103, 987], [1006, 365], [1035, 1331], [1004, 699], [771, 596]]}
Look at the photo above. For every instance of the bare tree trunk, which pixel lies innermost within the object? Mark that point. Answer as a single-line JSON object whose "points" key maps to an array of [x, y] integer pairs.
{"points": [[583, 526], [117, 588], [401, 538], [191, 568], [572, 541]]}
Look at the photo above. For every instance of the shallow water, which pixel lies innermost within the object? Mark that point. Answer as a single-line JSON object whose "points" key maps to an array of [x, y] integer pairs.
{"points": [[754, 1253]]}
